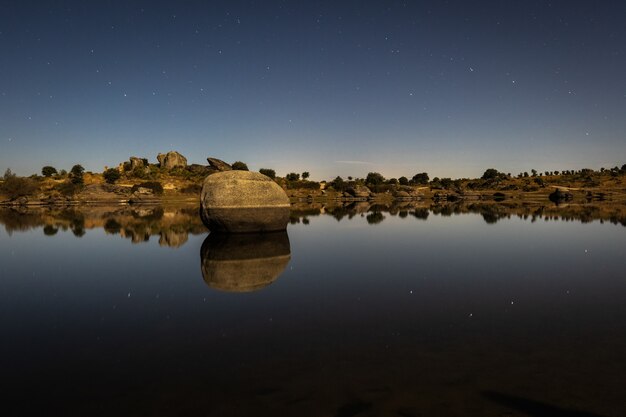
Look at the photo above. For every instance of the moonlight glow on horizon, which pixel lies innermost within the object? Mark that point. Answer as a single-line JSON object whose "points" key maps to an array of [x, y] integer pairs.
{"points": [[334, 88]]}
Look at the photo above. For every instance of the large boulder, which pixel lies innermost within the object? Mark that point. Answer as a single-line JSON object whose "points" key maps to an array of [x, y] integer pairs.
{"points": [[136, 163], [243, 202], [171, 160], [244, 262], [218, 164]]}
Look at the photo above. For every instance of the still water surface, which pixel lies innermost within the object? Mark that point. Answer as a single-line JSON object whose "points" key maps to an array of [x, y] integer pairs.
{"points": [[363, 312]]}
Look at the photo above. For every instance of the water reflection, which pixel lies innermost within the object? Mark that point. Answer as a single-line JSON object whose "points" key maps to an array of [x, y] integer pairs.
{"points": [[492, 212], [172, 225], [244, 262]]}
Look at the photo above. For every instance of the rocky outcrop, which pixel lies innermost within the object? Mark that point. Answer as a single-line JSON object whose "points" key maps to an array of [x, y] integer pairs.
{"points": [[198, 169], [402, 196], [244, 262], [218, 164], [171, 160], [359, 191], [143, 195], [242, 202], [136, 163]]}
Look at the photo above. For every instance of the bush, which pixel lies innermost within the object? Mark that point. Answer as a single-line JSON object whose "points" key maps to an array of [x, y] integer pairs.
{"points": [[14, 187], [239, 166], [111, 175], [155, 186], [292, 176], [68, 188], [374, 178], [339, 184], [268, 172]]}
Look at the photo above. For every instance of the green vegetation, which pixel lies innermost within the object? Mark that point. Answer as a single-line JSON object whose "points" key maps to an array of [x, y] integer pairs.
{"points": [[420, 179], [292, 176], [14, 187], [76, 174], [239, 166], [48, 171], [605, 183], [111, 175], [268, 172]]}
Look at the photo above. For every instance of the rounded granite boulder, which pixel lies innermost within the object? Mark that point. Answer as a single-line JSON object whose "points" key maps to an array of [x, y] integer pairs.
{"points": [[243, 202]]}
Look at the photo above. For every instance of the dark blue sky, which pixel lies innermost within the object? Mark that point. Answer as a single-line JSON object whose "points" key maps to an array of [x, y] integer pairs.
{"points": [[335, 88]]}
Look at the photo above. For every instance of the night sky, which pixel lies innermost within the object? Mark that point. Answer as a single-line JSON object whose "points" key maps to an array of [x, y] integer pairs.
{"points": [[334, 88]]}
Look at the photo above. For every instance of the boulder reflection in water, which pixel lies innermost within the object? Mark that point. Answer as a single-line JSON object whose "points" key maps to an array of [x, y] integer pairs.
{"points": [[244, 262]]}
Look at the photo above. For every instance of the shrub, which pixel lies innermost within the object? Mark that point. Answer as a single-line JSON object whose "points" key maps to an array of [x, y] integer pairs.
{"points": [[374, 178], [239, 166], [292, 176], [268, 172], [68, 188], [14, 187], [339, 184], [111, 175]]}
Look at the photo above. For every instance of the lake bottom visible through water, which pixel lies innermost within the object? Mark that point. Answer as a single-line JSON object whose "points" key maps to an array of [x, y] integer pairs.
{"points": [[375, 313]]}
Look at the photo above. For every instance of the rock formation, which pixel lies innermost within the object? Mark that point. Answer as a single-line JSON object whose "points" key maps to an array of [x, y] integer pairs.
{"points": [[136, 163], [171, 160], [244, 262], [359, 191], [242, 202], [218, 164]]}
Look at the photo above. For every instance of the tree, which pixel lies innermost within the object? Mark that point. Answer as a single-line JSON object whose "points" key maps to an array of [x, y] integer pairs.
{"points": [[490, 174], [446, 182], [421, 178], [48, 171], [239, 166], [292, 176], [268, 172], [338, 184], [111, 175], [623, 168], [403, 181], [76, 174], [534, 172], [392, 181], [374, 178], [8, 174], [305, 175]]}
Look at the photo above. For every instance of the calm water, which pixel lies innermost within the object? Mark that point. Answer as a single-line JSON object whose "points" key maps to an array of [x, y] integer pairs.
{"points": [[365, 311]]}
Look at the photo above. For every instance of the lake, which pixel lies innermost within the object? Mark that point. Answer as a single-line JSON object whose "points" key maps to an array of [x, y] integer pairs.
{"points": [[483, 310]]}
